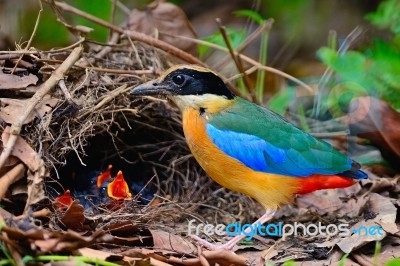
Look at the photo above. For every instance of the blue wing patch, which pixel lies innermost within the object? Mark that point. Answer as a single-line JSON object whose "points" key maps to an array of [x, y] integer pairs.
{"points": [[262, 156]]}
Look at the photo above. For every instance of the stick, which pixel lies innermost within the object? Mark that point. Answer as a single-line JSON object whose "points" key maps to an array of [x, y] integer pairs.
{"points": [[133, 34], [32, 35], [11, 177], [235, 58], [44, 89], [250, 61]]}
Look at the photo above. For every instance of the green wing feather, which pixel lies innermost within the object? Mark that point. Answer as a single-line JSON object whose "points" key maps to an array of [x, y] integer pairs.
{"points": [[252, 133]]}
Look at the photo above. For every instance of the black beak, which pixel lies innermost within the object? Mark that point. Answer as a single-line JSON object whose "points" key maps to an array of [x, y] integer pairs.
{"points": [[151, 88]]}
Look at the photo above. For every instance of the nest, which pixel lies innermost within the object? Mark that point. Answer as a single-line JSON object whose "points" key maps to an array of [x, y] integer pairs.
{"points": [[90, 120]]}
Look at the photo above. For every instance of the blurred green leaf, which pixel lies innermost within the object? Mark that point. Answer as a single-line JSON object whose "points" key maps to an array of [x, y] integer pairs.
{"points": [[342, 261], [250, 14], [393, 262], [327, 55], [280, 101], [387, 16], [385, 63], [102, 9], [289, 263], [49, 33], [236, 37]]}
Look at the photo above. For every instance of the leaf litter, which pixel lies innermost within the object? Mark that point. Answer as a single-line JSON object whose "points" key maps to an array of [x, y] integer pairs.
{"points": [[93, 100]]}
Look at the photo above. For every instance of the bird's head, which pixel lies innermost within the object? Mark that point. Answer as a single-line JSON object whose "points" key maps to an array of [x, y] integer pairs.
{"points": [[190, 86]]}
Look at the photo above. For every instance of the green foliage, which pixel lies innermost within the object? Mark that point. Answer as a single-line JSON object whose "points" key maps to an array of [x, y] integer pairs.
{"points": [[79, 260], [8, 259], [374, 72], [343, 260], [251, 14], [236, 36], [51, 33], [256, 17], [378, 249], [387, 16], [289, 263], [280, 101], [102, 10], [393, 262]]}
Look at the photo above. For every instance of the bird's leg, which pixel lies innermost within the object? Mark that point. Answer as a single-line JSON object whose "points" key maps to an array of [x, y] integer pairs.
{"points": [[268, 215]]}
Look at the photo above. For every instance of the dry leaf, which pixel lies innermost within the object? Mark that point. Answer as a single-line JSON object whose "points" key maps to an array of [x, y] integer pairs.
{"points": [[165, 18], [219, 257], [166, 241], [122, 260], [23, 151], [390, 250], [342, 201], [386, 217], [10, 82], [376, 121], [67, 241], [11, 109], [73, 218]]}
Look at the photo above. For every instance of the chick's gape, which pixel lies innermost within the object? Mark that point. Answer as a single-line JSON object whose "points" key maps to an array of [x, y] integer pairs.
{"points": [[248, 148]]}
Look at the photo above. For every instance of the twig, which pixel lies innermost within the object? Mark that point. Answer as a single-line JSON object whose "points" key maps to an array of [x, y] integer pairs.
{"points": [[119, 71], [235, 59], [8, 56], [122, 7], [18, 52], [328, 72], [251, 61], [12, 176], [249, 40], [14, 54], [45, 88], [133, 34], [28, 45], [113, 40], [105, 70], [110, 96], [67, 48], [113, 8], [64, 89], [45, 212]]}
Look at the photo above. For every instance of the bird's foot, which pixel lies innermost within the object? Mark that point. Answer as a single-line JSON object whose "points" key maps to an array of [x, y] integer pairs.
{"points": [[210, 246]]}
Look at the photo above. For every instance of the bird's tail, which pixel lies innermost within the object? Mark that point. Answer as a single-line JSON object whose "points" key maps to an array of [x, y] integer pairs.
{"points": [[357, 175], [317, 182]]}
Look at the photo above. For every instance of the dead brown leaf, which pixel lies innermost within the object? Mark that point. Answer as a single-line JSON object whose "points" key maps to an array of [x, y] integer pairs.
{"points": [[221, 257], [118, 258], [167, 241], [332, 260], [11, 109], [130, 241], [342, 201], [378, 122], [68, 241], [23, 151], [38, 239], [390, 250], [74, 218], [385, 218], [14, 82], [165, 18], [10, 177]]}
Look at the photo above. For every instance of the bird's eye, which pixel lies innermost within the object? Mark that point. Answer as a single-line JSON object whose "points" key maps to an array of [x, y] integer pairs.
{"points": [[178, 79]]}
